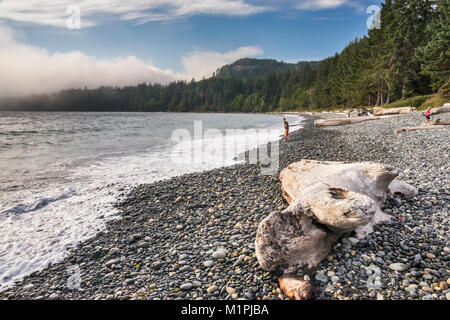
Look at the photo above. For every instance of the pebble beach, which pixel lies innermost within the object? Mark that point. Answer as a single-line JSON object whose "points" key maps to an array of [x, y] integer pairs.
{"points": [[192, 236]]}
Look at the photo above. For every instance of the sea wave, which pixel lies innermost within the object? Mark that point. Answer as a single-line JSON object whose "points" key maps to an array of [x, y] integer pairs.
{"points": [[40, 203]]}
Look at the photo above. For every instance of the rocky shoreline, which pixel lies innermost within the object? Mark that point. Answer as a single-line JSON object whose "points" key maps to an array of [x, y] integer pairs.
{"points": [[192, 237]]}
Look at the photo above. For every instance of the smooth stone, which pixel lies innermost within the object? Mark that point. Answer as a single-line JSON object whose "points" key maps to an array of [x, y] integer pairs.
{"points": [[158, 265], [212, 289], [430, 256], [186, 286], [321, 277], [111, 262], [143, 244], [398, 266], [412, 287], [219, 254], [54, 296], [230, 290], [185, 268], [28, 286], [113, 251], [140, 292], [427, 289], [208, 263]]}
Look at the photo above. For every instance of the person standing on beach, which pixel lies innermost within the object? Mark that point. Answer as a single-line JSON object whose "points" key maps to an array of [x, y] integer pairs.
{"points": [[428, 116], [286, 130]]}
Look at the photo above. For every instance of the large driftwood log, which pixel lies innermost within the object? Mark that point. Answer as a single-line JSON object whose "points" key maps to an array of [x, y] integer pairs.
{"points": [[445, 108], [431, 127], [342, 121], [388, 111], [361, 111], [327, 200], [437, 121]]}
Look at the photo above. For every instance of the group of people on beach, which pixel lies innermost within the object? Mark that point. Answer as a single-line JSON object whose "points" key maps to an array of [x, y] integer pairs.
{"points": [[286, 124]]}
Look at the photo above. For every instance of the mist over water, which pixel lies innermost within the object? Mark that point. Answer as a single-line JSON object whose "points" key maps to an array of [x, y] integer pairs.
{"points": [[61, 173]]}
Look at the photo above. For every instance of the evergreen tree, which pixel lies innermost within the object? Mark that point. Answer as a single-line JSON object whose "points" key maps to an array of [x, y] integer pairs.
{"points": [[436, 53]]}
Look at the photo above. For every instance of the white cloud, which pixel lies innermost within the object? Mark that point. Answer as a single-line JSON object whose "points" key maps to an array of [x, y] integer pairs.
{"points": [[320, 4], [93, 12], [27, 69], [203, 64]]}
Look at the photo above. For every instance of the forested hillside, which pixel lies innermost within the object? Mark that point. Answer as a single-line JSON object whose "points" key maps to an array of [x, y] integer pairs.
{"points": [[408, 56], [254, 68]]}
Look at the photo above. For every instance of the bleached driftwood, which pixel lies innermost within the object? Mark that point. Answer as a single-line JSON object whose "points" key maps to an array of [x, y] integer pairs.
{"points": [[327, 200], [342, 121], [402, 188], [445, 108], [387, 111], [430, 127], [438, 121]]}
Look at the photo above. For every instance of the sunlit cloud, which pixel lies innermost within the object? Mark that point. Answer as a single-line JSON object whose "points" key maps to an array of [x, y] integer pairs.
{"points": [[320, 4]]}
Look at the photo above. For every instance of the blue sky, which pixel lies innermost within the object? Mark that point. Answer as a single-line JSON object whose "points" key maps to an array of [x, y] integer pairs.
{"points": [[178, 38]]}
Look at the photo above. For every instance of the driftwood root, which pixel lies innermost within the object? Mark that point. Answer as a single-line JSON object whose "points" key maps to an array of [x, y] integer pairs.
{"points": [[296, 288]]}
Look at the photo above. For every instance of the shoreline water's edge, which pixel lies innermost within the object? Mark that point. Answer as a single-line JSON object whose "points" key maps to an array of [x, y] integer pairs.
{"points": [[191, 236]]}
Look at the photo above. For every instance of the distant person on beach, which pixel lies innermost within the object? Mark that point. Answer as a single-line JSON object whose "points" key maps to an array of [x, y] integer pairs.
{"points": [[428, 116], [286, 130]]}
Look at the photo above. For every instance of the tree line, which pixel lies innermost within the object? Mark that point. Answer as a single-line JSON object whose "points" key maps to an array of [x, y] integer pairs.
{"points": [[409, 55]]}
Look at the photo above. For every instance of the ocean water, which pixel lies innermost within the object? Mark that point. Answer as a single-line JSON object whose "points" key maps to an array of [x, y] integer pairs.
{"points": [[61, 173]]}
